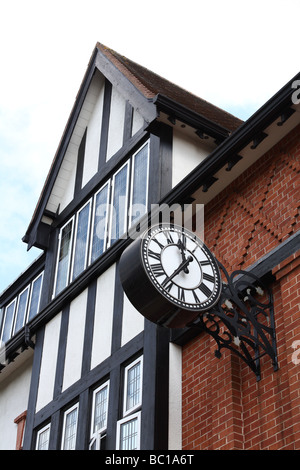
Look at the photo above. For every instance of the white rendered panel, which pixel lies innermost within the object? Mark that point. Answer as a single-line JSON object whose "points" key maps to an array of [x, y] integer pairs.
{"points": [[104, 306], [48, 365], [92, 145], [74, 349], [116, 123], [133, 321]]}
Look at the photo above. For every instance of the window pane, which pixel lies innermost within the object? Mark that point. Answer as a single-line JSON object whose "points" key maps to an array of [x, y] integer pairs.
{"points": [[8, 320], [133, 386], [43, 439], [81, 241], [35, 297], [139, 185], [21, 310], [119, 214], [70, 430], [100, 414], [100, 223], [64, 257], [129, 435]]}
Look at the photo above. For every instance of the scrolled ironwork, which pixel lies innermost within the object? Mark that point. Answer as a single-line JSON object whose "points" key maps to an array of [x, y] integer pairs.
{"points": [[243, 319]]}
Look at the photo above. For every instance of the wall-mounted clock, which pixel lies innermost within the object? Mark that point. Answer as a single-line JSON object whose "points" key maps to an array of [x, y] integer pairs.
{"points": [[170, 276]]}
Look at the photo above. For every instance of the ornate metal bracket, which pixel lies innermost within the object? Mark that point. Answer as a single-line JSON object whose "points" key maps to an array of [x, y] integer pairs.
{"points": [[243, 319]]}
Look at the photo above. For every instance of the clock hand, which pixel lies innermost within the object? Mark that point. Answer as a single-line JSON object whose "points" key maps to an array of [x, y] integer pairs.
{"points": [[181, 247], [181, 267]]}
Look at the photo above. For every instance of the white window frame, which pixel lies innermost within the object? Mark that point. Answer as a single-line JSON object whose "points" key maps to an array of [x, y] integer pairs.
{"points": [[130, 223], [31, 292], [66, 413], [17, 309], [41, 431], [4, 320], [74, 241], [99, 431], [111, 215], [126, 370], [122, 421], [108, 184], [70, 257]]}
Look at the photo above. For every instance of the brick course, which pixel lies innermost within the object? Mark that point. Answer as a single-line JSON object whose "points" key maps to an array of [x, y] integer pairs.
{"points": [[223, 405]]}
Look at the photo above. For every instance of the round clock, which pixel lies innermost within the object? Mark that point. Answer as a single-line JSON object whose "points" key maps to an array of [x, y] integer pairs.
{"points": [[170, 276]]}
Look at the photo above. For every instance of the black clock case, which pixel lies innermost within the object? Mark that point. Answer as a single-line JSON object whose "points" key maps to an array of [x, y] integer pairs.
{"points": [[143, 294]]}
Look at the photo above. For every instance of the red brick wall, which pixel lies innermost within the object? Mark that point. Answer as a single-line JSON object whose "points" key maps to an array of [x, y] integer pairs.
{"points": [[224, 406]]}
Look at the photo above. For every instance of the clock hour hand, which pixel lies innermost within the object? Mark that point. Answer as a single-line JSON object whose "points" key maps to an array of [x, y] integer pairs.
{"points": [[180, 268]]}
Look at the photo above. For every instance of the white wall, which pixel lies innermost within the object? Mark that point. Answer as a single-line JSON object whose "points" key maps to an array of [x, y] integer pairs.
{"points": [[116, 123], [188, 152], [75, 340], [92, 145], [133, 321], [49, 360], [14, 392], [101, 347]]}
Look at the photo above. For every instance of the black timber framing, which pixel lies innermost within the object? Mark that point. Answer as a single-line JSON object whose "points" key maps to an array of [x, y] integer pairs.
{"points": [[115, 78], [80, 163]]}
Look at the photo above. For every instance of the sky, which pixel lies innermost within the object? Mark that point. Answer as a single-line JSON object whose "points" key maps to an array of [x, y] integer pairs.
{"points": [[235, 54]]}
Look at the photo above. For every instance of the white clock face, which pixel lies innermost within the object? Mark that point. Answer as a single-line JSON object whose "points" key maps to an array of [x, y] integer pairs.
{"points": [[181, 267]]}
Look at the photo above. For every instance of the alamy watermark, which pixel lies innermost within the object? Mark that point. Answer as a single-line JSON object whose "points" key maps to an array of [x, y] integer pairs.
{"points": [[296, 93]]}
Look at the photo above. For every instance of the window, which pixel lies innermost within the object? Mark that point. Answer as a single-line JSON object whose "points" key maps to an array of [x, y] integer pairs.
{"points": [[63, 263], [100, 217], [22, 309], [128, 432], [119, 204], [42, 440], [133, 386], [128, 428], [70, 428], [8, 321], [81, 240], [35, 296], [99, 416], [139, 188], [104, 219]]}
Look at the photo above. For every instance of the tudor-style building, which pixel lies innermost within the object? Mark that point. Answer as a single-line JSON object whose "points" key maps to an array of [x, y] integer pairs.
{"points": [[81, 368]]}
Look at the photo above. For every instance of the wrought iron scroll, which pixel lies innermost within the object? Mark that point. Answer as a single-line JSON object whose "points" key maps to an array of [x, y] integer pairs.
{"points": [[243, 319]]}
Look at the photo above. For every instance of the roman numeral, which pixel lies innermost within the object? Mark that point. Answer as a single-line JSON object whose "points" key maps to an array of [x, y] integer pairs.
{"points": [[161, 246], [206, 291], [154, 255], [205, 263], [157, 269], [197, 300], [181, 295], [168, 238], [208, 277]]}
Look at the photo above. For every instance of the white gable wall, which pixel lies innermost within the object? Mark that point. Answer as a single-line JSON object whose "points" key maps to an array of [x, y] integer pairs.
{"points": [[116, 123], [188, 152], [92, 145]]}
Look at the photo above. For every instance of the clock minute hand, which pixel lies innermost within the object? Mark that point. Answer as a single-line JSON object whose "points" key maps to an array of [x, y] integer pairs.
{"points": [[183, 265], [181, 247]]}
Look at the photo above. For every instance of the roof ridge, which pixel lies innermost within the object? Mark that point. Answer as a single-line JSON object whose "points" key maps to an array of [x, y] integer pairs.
{"points": [[150, 84]]}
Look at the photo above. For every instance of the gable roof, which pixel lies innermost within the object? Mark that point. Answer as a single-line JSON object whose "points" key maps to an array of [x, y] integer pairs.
{"points": [[150, 85], [155, 91]]}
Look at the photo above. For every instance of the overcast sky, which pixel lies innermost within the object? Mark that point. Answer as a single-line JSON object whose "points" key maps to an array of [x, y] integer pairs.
{"points": [[235, 54]]}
